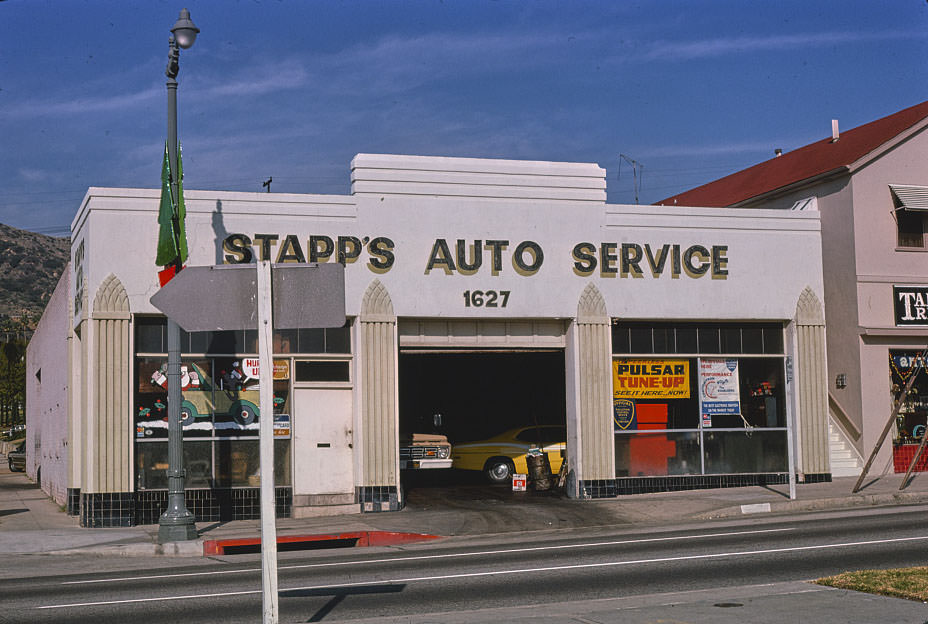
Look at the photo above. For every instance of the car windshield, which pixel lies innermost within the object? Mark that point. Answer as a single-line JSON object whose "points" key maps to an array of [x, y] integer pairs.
{"points": [[543, 435]]}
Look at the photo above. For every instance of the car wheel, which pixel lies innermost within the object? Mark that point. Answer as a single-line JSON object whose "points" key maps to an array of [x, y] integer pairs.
{"points": [[244, 412], [188, 413], [499, 469]]}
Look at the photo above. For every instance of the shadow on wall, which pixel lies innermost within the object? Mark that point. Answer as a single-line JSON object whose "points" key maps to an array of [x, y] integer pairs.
{"points": [[219, 231]]}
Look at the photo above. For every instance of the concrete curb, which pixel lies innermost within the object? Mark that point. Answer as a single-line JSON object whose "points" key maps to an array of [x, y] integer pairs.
{"points": [[193, 548], [820, 504]]}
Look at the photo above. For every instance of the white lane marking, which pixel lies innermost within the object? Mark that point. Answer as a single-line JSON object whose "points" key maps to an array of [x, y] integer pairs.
{"points": [[444, 577], [507, 551]]}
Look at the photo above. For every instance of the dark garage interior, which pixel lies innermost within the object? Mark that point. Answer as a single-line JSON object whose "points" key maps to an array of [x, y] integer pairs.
{"points": [[480, 393]]}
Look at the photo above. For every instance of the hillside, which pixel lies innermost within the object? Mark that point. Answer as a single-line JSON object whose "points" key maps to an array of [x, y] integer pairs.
{"points": [[30, 266]]}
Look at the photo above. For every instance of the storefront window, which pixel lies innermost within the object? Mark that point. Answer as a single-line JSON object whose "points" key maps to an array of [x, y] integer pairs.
{"points": [[220, 377], [716, 408], [913, 410], [151, 460]]}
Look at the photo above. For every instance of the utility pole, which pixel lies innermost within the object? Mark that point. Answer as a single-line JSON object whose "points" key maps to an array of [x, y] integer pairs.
{"points": [[636, 172]]}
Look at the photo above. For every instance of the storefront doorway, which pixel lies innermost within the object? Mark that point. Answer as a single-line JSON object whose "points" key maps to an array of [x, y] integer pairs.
{"points": [[322, 442]]}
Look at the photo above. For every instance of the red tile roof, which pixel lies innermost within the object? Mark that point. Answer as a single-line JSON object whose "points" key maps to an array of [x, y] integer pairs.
{"points": [[806, 162]]}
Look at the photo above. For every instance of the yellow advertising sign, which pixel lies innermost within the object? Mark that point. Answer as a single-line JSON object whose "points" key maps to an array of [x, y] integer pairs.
{"points": [[651, 379], [281, 369]]}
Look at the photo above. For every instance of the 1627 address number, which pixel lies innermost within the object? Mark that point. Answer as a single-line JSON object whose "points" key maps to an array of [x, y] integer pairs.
{"points": [[486, 298]]}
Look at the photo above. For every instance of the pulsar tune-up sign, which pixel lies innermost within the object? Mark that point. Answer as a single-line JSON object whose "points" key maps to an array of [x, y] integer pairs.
{"points": [[650, 379]]}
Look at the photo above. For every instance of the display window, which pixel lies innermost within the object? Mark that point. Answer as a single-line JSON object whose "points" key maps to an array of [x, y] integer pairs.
{"points": [[220, 394], [708, 399], [912, 417]]}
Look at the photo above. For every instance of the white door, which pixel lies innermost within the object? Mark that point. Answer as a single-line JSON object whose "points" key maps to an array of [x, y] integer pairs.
{"points": [[322, 441]]}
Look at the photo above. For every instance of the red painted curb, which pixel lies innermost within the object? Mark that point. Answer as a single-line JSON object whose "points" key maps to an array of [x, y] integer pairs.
{"points": [[364, 538]]}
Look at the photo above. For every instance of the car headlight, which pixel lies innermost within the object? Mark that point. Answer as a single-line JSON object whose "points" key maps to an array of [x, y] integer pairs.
{"points": [[444, 452]]}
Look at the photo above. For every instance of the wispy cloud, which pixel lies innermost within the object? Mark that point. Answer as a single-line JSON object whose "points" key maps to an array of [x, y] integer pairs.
{"points": [[722, 149], [82, 106], [290, 74], [705, 48]]}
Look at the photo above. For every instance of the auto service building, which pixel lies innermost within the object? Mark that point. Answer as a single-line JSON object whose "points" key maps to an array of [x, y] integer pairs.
{"points": [[682, 347]]}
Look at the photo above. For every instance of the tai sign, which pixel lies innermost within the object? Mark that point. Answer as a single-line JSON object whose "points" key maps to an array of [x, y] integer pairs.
{"points": [[911, 305]]}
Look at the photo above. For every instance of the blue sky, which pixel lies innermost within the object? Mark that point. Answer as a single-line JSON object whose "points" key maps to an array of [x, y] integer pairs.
{"points": [[692, 90]]}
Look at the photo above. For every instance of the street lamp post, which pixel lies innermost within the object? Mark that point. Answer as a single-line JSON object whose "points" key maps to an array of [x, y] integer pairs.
{"points": [[176, 524]]}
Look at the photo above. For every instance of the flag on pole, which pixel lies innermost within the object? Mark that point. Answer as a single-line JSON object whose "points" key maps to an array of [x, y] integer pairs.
{"points": [[172, 241]]}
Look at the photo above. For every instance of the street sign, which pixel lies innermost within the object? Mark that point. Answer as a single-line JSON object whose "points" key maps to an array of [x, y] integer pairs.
{"points": [[308, 295], [224, 297]]}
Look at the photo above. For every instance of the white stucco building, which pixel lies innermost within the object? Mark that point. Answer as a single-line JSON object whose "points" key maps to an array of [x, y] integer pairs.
{"points": [[682, 347]]}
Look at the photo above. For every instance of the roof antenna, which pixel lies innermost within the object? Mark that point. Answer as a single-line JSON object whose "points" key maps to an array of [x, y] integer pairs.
{"points": [[267, 184], [636, 172]]}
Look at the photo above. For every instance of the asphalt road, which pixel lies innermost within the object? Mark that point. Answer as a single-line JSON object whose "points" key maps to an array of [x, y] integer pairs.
{"points": [[577, 568]]}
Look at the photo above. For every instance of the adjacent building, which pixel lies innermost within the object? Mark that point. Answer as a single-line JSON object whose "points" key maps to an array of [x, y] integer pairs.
{"points": [[870, 185]]}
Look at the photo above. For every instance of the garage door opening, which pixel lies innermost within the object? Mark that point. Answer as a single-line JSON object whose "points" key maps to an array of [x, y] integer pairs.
{"points": [[479, 394]]}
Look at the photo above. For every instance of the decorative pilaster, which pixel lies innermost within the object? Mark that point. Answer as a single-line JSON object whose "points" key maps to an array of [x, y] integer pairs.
{"points": [[109, 421], [596, 469], [106, 498], [379, 480], [812, 375]]}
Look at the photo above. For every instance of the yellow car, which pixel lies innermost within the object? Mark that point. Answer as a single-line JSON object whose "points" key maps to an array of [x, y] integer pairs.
{"points": [[503, 455]]}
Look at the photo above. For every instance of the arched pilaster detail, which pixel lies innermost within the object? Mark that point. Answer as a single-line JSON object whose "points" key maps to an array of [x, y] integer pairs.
{"points": [[111, 298], [596, 461], [812, 375], [809, 310], [108, 424], [377, 301], [592, 305], [379, 399]]}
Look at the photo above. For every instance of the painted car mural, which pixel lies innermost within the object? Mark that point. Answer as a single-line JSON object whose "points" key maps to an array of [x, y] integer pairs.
{"points": [[229, 407]]}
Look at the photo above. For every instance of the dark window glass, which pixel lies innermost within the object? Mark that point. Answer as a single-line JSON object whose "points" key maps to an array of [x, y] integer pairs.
{"points": [[731, 340], [696, 338], [199, 341], [543, 435], [752, 340], [686, 340], [620, 342], [663, 340], [321, 371], [285, 341], [708, 339], [223, 342], [763, 396], [251, 341], [641, 340], [312, 340], [338, 340], [910, 226], [149, 336], [773, 339]]}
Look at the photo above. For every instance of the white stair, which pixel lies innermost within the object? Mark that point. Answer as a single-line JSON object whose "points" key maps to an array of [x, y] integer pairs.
{"points": [[845, 461]]}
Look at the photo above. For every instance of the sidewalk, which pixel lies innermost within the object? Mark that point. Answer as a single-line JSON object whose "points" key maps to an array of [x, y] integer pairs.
{"points": [[30, 522]]}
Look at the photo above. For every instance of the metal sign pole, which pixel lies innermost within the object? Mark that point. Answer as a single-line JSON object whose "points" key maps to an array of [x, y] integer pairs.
{"points": [[266, 433], [790, 442]]}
